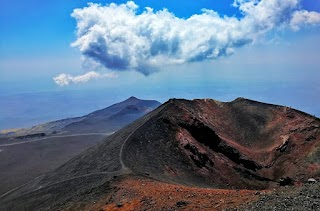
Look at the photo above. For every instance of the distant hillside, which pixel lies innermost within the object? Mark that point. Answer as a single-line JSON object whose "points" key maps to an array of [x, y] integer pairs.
{"points": [[113, 117], [105, 120]]}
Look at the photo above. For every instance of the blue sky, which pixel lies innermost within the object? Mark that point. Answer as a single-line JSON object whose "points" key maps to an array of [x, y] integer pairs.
{"points": [[47, 28], [280, 66], [38, 27]]}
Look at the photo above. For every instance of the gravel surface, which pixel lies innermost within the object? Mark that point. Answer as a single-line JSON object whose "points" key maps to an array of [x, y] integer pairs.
{"points": [[306, 197]]}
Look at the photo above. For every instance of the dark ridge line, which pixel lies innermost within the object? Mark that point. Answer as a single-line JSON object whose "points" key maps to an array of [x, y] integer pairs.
{"points": [[274, 105], [239, 99]]}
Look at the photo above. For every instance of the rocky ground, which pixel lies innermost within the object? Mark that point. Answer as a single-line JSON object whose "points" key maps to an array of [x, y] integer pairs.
{"points": [[141, 193], [305, 197]]}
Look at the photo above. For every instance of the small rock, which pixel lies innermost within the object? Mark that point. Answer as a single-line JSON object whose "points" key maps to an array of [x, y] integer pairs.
{"points": [[152, 202], [181, 203], [312, 180], [285, 181], [311, 138]]}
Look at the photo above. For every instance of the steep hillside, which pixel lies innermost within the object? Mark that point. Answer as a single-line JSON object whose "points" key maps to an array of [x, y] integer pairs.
{"points": [[241, 144]]}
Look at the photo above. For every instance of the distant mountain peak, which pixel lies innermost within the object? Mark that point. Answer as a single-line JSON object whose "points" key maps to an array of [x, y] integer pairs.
{"points": [[120, 114], [133, 98]]}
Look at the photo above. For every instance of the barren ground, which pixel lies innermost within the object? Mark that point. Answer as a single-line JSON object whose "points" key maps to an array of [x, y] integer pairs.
{"points": [[141, 193], [21, 163]]}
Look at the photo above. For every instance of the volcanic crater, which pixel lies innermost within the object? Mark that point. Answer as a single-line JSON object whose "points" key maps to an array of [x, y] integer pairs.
{"points": [[241, 144]]}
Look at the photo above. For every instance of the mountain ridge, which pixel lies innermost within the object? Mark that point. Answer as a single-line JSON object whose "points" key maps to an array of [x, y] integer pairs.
{"points": [[241, 144], [63, 125]]}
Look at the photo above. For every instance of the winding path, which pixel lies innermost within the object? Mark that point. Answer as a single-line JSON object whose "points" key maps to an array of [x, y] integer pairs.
{"points": [[123, 167], [123, 170], [50, 137]]}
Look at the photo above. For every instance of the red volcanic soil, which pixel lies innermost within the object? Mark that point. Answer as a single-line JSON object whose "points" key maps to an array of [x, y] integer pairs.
{"points": [[141, 193]]}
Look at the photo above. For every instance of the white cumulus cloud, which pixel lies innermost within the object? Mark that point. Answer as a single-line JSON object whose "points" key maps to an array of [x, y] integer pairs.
{"points": [[303, 17], [66, 79], [119, 37]]}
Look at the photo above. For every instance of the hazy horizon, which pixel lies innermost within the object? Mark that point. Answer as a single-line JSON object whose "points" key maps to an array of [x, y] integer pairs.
{"points": [[65, 59]]}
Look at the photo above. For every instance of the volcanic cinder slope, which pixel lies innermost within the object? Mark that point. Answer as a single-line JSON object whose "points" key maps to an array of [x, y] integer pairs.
{"points": [[241, 144], [24, 155]]}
